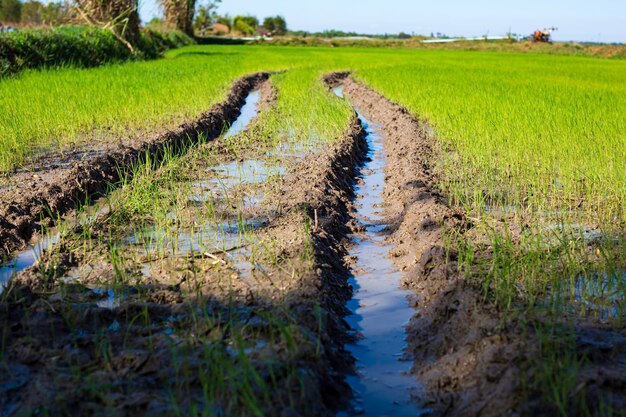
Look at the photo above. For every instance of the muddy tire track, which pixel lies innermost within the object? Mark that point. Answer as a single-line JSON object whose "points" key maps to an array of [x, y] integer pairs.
{"points": [[316, 197], [319, 194], [23, 214], [473, 359], [467, 365]]}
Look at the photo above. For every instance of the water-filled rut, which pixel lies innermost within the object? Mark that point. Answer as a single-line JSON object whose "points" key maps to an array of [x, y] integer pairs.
{"points": [[379, 308]]}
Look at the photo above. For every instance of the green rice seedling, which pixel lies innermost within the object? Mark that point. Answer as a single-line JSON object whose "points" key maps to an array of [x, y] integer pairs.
{"points": [[556, 367]]}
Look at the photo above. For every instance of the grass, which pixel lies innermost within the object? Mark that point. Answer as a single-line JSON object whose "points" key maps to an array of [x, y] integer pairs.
{"points": [[118, 101], [533, 132]]}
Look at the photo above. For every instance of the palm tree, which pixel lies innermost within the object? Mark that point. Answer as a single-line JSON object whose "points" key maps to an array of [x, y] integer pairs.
{"points": [[120, 16], [179, 14]]}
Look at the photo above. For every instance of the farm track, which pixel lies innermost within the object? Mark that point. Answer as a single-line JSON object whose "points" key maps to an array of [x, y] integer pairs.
{"points": [[40, 199], [54, 332], [447, 338], [472, 358]]}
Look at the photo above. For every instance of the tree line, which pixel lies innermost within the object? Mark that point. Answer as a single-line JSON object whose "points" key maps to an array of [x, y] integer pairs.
{"points": [[35, 13], [121, 16]]}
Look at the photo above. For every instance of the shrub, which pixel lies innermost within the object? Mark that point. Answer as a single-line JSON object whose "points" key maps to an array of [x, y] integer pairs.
{"points": [[246, 25], [155, 42], [77, 46]]}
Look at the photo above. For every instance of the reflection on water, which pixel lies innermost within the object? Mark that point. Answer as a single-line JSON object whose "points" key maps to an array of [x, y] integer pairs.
{"points": [[24, 259], [249, 111]]}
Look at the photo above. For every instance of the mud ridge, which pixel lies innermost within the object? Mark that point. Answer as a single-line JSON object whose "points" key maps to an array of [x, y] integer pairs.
{"points": [[23, 214], [320, 194]]}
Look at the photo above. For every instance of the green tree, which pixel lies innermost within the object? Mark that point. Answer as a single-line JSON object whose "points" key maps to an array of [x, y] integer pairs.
{"points": [[206, 15], [246, 25], [268, 24], [10, 11], [224, 20], [32, 12], [275, 25]]}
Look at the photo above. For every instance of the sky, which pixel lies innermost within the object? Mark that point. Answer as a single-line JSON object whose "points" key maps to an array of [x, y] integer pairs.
{"points": [[578, 20]]}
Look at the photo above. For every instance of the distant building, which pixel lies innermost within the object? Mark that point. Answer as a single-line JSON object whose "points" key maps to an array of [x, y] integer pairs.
{"points": [[220, 29]]}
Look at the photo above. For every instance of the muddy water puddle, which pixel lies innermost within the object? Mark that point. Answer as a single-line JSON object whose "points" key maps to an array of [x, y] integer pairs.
{"points": [[380, 308], [25, 259], [212, 237], [226, 177], [232, 185], [601, 294], [31, 255], [232, 238], [249, 111]]}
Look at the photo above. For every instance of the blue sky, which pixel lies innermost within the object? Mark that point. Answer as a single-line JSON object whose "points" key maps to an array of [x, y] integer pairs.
{"points": [[598, 20]]}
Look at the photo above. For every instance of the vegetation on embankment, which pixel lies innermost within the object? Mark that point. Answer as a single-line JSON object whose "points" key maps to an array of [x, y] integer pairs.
{"points": [[78, 46], [614, 51]]}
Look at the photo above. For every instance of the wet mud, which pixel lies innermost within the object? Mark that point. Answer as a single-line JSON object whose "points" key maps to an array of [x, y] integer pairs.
{"points": [[380, 308]]}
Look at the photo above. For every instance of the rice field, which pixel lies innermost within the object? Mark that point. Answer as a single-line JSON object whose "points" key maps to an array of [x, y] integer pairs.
{"points": [[530, 148]]}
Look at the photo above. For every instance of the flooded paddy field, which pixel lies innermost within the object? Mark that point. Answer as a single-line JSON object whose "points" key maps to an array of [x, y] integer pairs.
{"points": [[308, 246]]}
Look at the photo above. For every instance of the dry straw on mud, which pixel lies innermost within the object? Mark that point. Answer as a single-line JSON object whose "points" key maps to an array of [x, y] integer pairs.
{"points": [[121, 16]]}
